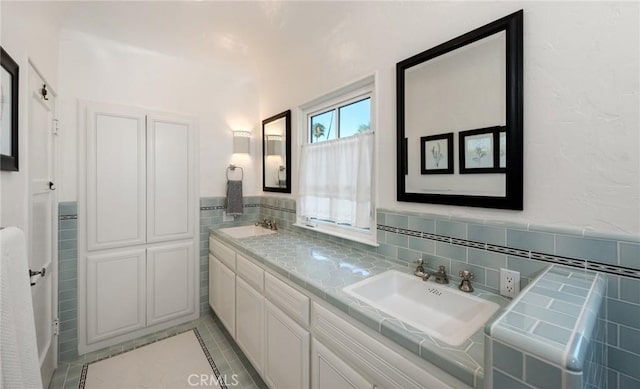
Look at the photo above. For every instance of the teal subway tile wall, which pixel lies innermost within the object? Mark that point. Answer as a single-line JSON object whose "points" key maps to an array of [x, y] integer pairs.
{"points": [[477, 245], [485, 246], [67, 281]]}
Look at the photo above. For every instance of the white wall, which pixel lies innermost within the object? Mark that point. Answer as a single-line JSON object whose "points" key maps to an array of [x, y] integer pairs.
{"points": [[581, 97], [28, 32], [221, 96]]}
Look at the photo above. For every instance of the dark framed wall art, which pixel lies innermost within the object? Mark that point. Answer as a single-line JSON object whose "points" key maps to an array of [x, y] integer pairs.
{"points": [[436, 154], [9, 113], [482, 150]]}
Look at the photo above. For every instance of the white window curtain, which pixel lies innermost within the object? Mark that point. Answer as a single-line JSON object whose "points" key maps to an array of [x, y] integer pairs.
{"points": [[336, 179]]}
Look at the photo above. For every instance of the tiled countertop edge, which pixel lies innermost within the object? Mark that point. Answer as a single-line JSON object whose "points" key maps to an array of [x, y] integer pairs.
{"points": [[577, 351], [426, 347], [572, 357]]}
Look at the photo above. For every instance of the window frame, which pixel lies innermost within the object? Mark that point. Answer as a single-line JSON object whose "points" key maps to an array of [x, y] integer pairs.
{"points": [[344, 96]]}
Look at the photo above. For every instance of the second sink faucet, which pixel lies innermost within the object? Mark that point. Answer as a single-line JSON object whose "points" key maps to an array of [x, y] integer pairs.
{"points": [[268, 223]]}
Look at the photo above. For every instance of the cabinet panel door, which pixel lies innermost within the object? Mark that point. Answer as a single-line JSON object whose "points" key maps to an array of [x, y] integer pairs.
{"points": [[286, 363], [116, 176], [328, 371], [226, 291], [170, 281], [115, 294], [214, 282], [250, 322], [170, 178]]}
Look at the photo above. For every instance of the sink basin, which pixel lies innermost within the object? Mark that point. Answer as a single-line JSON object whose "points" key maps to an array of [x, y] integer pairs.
{"points": [[246, 231], [443, 312]]}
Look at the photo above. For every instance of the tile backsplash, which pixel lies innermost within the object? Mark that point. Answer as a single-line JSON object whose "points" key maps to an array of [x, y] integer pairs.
{"points": [[459, 244], [484, 247]]}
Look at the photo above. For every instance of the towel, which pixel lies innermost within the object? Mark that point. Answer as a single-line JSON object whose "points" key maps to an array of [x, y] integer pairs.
{"points": [[234, 197], [19, 363]]}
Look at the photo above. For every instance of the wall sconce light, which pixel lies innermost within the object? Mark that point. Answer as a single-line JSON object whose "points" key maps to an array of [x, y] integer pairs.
{"points": [[274, 144], [241, 141]]}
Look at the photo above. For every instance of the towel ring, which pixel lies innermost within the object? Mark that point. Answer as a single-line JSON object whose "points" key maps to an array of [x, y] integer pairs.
{"points": [[233, 168]]}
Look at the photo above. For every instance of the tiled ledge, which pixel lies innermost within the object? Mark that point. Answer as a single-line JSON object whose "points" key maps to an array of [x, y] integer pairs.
{"points": [[554, 316], [550, 335], [323, 268]]}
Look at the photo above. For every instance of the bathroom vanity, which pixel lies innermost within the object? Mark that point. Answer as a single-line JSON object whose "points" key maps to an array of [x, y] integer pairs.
{"points": [[280, 296], [307, 313]]}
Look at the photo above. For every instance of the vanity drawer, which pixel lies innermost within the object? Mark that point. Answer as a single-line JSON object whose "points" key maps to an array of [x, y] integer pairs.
{"points": [[292, 302], [250, 272], [223, 252]]}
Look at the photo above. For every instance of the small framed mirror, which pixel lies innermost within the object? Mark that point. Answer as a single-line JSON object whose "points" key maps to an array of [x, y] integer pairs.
{"points": [[459, 134], [276, 153]]}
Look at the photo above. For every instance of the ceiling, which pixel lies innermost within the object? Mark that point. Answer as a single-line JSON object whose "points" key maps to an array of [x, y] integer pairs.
{"points": [[234, 31]]}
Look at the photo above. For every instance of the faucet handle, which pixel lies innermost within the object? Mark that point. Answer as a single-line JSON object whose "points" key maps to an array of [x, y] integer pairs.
{"points": [[466, 275]]}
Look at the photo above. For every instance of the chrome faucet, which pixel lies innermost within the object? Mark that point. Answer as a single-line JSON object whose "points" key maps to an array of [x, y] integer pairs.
{"points": [[441, 275], [420, 272], [268, 223], [465, 284]]}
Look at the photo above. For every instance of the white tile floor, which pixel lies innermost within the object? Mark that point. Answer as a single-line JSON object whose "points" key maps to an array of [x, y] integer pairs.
{"points": [[229, 359]]}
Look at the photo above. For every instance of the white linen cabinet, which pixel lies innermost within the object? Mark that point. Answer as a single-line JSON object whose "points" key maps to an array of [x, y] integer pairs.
{"points": [[137, 223]]}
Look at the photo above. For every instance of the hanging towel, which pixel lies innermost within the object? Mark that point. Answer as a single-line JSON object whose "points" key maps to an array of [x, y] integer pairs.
{"points": [[19, 364], [234, 197]]}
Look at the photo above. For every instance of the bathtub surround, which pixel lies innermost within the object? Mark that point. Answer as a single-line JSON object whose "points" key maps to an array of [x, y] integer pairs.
{"points": [[459, 244]]}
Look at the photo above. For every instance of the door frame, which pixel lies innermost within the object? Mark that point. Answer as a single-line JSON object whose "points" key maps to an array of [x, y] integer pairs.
{"points": [[53, 271]]}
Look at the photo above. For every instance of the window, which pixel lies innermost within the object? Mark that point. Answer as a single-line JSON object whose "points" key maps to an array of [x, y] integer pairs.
{"points": [[336, 169], [348, 119]]}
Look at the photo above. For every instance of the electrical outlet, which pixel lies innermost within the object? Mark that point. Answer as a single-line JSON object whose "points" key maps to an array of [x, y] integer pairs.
{"points": [[227, 218], [509, 283]]}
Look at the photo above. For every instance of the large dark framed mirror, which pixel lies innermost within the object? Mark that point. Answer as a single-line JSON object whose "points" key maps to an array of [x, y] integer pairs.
{"points": [[276, 153], [471, 87], [8, 113]]}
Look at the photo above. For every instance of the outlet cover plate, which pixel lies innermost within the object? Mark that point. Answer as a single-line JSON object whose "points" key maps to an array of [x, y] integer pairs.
{"points": [[509, 283]]}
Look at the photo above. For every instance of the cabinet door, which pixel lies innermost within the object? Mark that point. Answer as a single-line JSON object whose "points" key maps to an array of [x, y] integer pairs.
{"points": [[115, 294], [250, 322], [214, 282], [170, 281], [115, 176], [328, 371], [226, 295], [286, 362], [170, 178]]}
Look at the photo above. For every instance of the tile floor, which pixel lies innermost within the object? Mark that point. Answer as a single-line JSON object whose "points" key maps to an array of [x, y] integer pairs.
{"points": [[227, 355]]}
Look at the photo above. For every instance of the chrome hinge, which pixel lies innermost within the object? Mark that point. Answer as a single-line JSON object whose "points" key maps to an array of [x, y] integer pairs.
{"points": [[56, 327], [55, 126]]}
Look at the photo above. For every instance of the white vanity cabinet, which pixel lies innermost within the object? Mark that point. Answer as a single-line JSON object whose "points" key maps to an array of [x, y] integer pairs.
{"points": [[266, 317], [250, 323], [295, 341], [287, 351], [225, 289], [250, 311], [328, 371]]}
